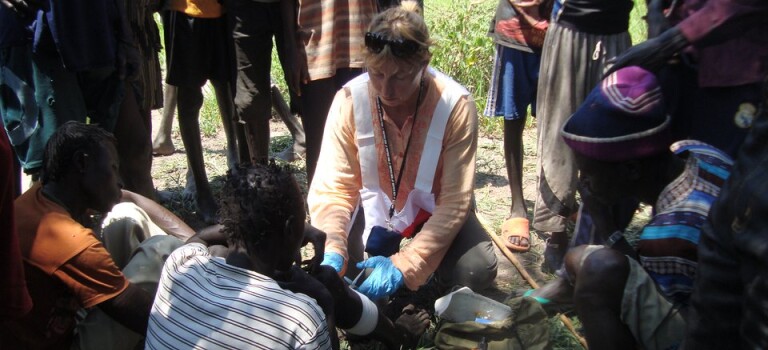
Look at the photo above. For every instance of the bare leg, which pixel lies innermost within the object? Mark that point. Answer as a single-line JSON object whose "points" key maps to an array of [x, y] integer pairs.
{"points": [[190, 101], [190, 190], [162, 144], [227, 111], [513, 155], [515, 229], [598, 292], [294, 126], [243, 152], [132, 131], [257, 134], [557, 246]]}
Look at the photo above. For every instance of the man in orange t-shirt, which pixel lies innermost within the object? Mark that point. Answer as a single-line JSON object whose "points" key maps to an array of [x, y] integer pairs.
{"points": [[66, 265]]}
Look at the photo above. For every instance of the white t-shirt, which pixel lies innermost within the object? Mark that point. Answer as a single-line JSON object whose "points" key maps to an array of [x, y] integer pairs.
{"points": [[204, 303]]}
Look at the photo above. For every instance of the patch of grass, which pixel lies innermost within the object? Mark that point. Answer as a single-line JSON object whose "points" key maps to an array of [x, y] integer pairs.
{"points": [[462, 48], [210, 118]]}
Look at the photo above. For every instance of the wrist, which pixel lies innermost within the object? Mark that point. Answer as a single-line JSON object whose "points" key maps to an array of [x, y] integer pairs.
{"points": [[614, 238]]}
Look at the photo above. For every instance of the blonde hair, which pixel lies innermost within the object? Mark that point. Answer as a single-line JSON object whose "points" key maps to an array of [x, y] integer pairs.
{"points": [[403, 22]]}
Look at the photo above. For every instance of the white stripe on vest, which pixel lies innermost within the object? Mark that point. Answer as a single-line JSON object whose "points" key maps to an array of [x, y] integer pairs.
{"points": [[369, 162]]}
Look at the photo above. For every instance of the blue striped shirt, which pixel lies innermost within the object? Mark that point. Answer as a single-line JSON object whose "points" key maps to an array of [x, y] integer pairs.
{"points": [[668, 244]]}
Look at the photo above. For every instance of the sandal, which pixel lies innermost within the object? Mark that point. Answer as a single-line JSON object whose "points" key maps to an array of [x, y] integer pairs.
{"points": [[516, 228]]}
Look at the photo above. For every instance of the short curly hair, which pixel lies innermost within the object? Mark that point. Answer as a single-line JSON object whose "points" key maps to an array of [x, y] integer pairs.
{"points": [[67, 140], [259, 201]]}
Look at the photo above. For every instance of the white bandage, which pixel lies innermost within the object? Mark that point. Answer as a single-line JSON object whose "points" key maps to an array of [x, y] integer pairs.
{"points": [[368, 319]]}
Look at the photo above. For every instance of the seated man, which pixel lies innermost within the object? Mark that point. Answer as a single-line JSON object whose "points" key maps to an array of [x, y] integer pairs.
{"points": [[66, 265], [619, 136], [255, 295]]}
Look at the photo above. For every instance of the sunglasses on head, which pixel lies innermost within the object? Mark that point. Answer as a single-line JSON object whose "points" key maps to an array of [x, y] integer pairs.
{"points": [[402, 48]]}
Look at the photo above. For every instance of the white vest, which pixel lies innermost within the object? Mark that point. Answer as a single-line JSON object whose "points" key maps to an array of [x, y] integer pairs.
{"points": [[375, 202]]}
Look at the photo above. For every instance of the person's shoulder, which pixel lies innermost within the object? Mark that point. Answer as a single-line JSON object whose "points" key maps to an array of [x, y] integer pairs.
{"points": [[714, 160], [190, 253], [360, 80], [446, 83], [57, 239]]}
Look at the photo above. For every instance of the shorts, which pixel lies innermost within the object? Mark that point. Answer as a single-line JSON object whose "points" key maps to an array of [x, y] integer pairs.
{"points": [[513, 83], [196, 49], [653, 320]]}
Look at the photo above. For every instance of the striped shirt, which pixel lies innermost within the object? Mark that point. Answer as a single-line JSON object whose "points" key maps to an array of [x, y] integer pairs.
{"points": [[204, 303], [668, 244], [333, 33]]}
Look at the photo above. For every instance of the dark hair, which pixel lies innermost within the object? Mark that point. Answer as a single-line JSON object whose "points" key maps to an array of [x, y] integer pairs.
{"points": [[67, 140], [259, 201]]}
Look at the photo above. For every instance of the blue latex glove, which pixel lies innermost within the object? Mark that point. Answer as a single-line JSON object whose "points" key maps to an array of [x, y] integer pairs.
{"points": [[334, 260], [383, 281]]}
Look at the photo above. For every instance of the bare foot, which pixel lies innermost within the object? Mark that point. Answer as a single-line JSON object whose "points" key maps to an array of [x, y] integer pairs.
{"points": [[287, 154], [206, 207], [190, 189], [412, 324], [162, 147]]}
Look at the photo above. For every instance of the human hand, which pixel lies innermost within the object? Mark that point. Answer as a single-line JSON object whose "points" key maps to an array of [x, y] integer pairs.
{"points": [[295, 75], [210, 236], [317, 238], [651, 54], [127, 60], [22, 8], [383, 281], [336, 261]]}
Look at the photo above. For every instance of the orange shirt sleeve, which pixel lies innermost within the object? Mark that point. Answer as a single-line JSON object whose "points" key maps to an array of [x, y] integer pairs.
{"points": [[92, 276], [336, 186], [456, 176]]}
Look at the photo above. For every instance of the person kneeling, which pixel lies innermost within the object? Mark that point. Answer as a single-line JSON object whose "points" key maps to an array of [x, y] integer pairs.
{"points": [[620, 136]]}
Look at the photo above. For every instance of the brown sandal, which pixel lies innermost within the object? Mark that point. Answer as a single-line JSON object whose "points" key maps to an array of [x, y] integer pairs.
{"points": [[516, 228]]}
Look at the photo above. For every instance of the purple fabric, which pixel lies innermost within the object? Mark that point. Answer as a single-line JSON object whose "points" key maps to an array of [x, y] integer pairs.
{"points": [[623, 118], [730, 36], [623, 150]]}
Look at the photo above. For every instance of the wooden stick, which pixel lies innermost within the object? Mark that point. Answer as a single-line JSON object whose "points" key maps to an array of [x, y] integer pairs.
{"points": [[526, 276]]}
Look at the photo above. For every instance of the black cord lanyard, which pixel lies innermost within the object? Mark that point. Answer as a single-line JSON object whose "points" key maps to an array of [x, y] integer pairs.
{"points": [[396, 183]]}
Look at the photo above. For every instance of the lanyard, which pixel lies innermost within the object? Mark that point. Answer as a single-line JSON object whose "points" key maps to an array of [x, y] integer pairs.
{"points": [[396, 183]]}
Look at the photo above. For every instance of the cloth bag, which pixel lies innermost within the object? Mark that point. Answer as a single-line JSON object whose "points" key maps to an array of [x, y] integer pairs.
{"points": [[526, 328]]}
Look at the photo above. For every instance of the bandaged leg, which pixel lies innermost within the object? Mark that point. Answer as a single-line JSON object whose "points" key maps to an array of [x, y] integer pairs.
{"points": [[368, 319]]}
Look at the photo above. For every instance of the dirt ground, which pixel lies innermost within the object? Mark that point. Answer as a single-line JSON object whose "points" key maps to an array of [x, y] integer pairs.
{"points": [[492, 191]]}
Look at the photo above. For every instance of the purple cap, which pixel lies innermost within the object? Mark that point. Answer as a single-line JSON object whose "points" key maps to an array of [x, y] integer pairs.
{"points": [[623, 118]]}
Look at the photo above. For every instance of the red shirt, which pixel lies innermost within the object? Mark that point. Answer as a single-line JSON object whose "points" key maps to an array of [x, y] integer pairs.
{"points": [[731, 37], [13, 291]]}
